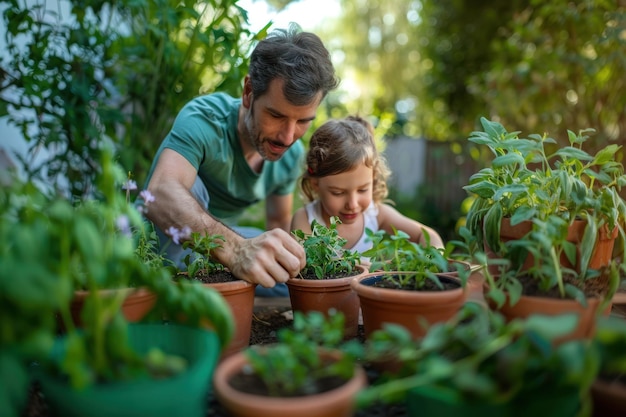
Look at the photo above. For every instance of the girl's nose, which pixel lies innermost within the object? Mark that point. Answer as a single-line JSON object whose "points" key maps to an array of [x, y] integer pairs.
{"points": [[352, 201]]}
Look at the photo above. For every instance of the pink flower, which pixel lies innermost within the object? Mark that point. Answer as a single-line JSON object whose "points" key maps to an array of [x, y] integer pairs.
{"points": [[123, 225], [147, 196], [177, 234], [129, 185]]}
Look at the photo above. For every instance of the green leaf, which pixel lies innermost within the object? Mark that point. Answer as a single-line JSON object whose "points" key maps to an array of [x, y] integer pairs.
{"points": [[569, 152], [491, 226], [522, 214], [493, 129], [510, 159], [552, 327], [606, 154]]}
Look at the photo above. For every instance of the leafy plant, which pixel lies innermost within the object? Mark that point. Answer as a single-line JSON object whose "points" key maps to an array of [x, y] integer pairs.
{"points": [[325, 254], [31, 295], [200, 259], [478, 357], [396, 252], [295, 364], [525, 182], [55, 247], [112, 71]]}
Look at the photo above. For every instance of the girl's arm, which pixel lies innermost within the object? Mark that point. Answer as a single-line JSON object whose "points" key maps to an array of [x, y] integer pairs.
{"points": [[389, 219], [301, 221]]}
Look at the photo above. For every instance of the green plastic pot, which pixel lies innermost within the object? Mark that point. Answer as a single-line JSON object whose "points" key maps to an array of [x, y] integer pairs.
{"points": [[183, 395], [14, 383]]}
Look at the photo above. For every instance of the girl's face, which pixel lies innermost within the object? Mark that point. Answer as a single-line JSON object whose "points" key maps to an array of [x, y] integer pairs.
{"points": [[345, 195]]}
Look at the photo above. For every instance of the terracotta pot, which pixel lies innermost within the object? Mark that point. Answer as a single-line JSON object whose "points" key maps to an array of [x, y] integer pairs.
{"points": [[324, 294], [136, 305], [609, 399], [414, 310], [602, 254], [335, 403], [475, 284], [239, 295], [587, 316]]}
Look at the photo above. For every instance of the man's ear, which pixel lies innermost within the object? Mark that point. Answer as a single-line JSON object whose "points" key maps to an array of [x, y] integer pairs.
{"points": [[246, 97]]}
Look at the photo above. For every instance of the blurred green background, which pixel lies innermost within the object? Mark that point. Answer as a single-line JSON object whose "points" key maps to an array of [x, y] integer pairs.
{"points": [[75, 74]]}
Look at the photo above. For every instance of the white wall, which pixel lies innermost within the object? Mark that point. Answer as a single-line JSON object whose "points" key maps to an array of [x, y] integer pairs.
{"points": [[407, 159]]}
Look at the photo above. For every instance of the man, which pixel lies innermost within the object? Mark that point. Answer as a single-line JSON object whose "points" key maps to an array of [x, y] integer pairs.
{"points": [[225, 154]]}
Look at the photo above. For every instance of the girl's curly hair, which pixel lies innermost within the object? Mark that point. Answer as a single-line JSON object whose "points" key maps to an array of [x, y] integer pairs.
{"points": [[339, 146]]}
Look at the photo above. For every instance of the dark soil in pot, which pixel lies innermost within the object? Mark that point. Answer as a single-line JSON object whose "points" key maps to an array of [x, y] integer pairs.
{"points": [[212, 278], [594, 288], [311, 275], [393, 282]]}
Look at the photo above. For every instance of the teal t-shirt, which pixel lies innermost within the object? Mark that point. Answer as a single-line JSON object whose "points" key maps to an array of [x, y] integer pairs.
{"points": [[205, 133]]}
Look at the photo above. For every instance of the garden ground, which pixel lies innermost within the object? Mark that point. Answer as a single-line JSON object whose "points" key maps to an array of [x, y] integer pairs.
{"points": [[270, 315]]}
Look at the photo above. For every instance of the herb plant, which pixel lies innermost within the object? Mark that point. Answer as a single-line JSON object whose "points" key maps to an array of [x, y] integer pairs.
{"points": [[200, 259], [477, 357], [295, 364], [325, 253], [526, 181], [55, 247], [397, 253]]}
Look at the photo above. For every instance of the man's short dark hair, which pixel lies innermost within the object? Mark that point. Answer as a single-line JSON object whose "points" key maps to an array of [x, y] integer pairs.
{"points": [[299, 58]]}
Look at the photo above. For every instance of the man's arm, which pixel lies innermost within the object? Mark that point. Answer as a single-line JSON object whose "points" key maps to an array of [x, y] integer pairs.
{"points": [[278, 212], [267, 259]]}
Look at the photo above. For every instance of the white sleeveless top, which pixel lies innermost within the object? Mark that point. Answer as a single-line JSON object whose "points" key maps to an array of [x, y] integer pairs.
{"points": [[370, 221]]}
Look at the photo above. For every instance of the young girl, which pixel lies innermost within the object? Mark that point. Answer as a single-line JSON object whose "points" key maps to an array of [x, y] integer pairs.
{"points": [[346, 177]]}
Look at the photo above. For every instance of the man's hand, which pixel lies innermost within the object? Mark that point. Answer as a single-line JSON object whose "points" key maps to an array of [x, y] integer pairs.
{"points": [[270, 258]]}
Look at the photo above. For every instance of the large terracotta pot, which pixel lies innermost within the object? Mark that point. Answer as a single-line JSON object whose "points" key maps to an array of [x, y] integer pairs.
{"points": [[239, 295], [138, 302], [335, 403], [324, 294], [602, 254], [415, 310], [587, 316]]}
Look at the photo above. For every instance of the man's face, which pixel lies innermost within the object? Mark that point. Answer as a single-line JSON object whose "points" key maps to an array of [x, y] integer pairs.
{"points": [[272, 123]]}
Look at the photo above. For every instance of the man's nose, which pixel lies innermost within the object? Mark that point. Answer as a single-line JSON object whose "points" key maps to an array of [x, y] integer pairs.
{"points": [[289, 132]]}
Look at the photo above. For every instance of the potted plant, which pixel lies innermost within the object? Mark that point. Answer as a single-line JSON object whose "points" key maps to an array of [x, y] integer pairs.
{"points": [[31, 292], [201, 267], [305, 373], [478, 364], [547, 285], [409, 284], [138, 300], [525, 182], [104, 366], [324, 283]]}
